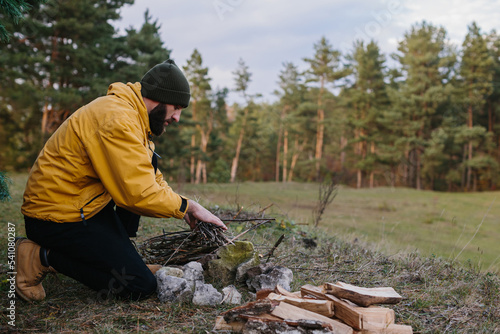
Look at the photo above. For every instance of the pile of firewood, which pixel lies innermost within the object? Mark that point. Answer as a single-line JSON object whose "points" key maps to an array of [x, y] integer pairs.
{"points": [[337, 308]]}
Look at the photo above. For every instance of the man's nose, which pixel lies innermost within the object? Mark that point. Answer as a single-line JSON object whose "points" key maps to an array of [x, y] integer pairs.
{"points": [[176, 117]]}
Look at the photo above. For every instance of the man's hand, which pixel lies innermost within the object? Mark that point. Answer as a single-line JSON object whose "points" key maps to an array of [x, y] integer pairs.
{"points": [[196, 212]]}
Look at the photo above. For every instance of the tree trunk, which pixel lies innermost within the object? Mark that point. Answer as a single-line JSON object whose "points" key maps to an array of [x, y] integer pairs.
{"points": [[372, 174], [204, 172], [343, 144], [192, 175], [320, 130], [234, 165], [490, 117], [44, 118], [296, 152], [201, 170], [418, 170], [464, 171], [469, 155], [198, 171], [285, 156], [278, 150]]}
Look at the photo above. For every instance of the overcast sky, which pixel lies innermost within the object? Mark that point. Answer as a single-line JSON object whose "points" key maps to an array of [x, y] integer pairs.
{"points": [[266, 33]]}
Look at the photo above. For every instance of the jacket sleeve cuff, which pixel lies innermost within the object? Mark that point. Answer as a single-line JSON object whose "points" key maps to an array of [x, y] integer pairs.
{"points": [[184, 205]]}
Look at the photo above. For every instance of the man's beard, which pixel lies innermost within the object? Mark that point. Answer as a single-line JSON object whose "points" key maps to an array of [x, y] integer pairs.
{"points": [[157, 119]]}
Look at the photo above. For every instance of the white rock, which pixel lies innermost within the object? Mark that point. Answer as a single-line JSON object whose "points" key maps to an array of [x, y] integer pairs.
{"points": [[270, 278], [171, 271], [206, 294], [173, 289], [231, 295], [193, 273]]}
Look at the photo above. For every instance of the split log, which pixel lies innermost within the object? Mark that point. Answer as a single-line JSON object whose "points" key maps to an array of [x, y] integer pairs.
{"points": [[252, 308], [361, 317], [390, 329], [357, 317], [222, 325], [363, 296], [290, 312], [347, 313], [323, 307], [376, 314], [261, 317], [316, 291], [263, 293], [267, 318], [281, 291], [398, 329]]}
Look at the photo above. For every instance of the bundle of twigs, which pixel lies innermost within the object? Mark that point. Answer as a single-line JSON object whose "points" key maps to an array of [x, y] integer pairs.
{"points": [[183, 246]]}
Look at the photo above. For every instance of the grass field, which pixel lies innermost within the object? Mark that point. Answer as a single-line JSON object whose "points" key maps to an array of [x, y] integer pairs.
{"points": [[370, 240], [461, 226]]}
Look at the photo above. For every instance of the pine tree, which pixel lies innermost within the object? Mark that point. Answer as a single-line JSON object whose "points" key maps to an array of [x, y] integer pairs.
{"points": [[242, 80], [291, 95], [65, 49], [476, 71], [367, 99], [325, 68], [493, 103], [138, 51], [426, 64], [13, 10], [4, 187], [201, 112]]}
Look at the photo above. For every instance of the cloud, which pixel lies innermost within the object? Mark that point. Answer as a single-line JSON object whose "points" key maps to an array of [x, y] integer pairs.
{"points": [[267, 33]]}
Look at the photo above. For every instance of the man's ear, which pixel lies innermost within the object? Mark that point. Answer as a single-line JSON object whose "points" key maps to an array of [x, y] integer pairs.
{"points": [[150, 104]]}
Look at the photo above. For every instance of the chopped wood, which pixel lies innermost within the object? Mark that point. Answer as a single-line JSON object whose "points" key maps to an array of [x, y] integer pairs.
{"points": [[281, 291], [316, 291], [350, 313], [222, 325], [398, 329], [278, 308], [376, 314], [347, 313], [323, 307], [290, 312], [389, 329], [263, 293], [306, 323], [363, 296], [267, 318], [261, 317], [252, 308]]}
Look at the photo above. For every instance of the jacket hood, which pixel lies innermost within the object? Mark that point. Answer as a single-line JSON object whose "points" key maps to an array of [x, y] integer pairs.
{"points": [[131, 93]]}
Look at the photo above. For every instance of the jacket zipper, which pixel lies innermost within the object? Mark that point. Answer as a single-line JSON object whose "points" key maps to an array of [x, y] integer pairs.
{"points": [[81, 210]]}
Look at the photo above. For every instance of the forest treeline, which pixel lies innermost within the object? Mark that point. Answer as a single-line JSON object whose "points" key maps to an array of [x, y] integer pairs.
{"points": [[428, 121]]}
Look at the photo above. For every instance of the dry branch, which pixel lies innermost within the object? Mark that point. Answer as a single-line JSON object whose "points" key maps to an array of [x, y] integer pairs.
{"points": [[183, 246]]}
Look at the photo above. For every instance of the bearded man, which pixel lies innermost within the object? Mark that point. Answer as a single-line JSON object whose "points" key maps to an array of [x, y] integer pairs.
{"points": [[94, 178]]}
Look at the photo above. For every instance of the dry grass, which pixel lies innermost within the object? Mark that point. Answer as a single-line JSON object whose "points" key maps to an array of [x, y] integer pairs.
{"points": [[438, 296]]}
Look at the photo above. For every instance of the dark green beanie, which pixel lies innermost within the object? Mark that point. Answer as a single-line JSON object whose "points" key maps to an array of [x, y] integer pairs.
{"points": [[165, 83]]}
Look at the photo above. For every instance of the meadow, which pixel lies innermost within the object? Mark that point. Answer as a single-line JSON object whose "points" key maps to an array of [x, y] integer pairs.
{"points": [[462, 227]]}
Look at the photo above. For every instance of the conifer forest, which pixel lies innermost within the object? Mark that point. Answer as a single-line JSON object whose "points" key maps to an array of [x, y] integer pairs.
{"points": [[425, 117]]}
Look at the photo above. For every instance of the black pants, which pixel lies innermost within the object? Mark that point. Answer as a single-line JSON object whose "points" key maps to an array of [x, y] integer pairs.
{"points": [[98, 254]]}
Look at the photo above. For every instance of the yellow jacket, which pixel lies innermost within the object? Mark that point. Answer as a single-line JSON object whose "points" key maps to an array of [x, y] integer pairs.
{"points": [[101, 152]]}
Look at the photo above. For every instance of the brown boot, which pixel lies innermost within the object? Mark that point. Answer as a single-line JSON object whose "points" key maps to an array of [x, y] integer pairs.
{"points": [[30, 270], [154, 267]]}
